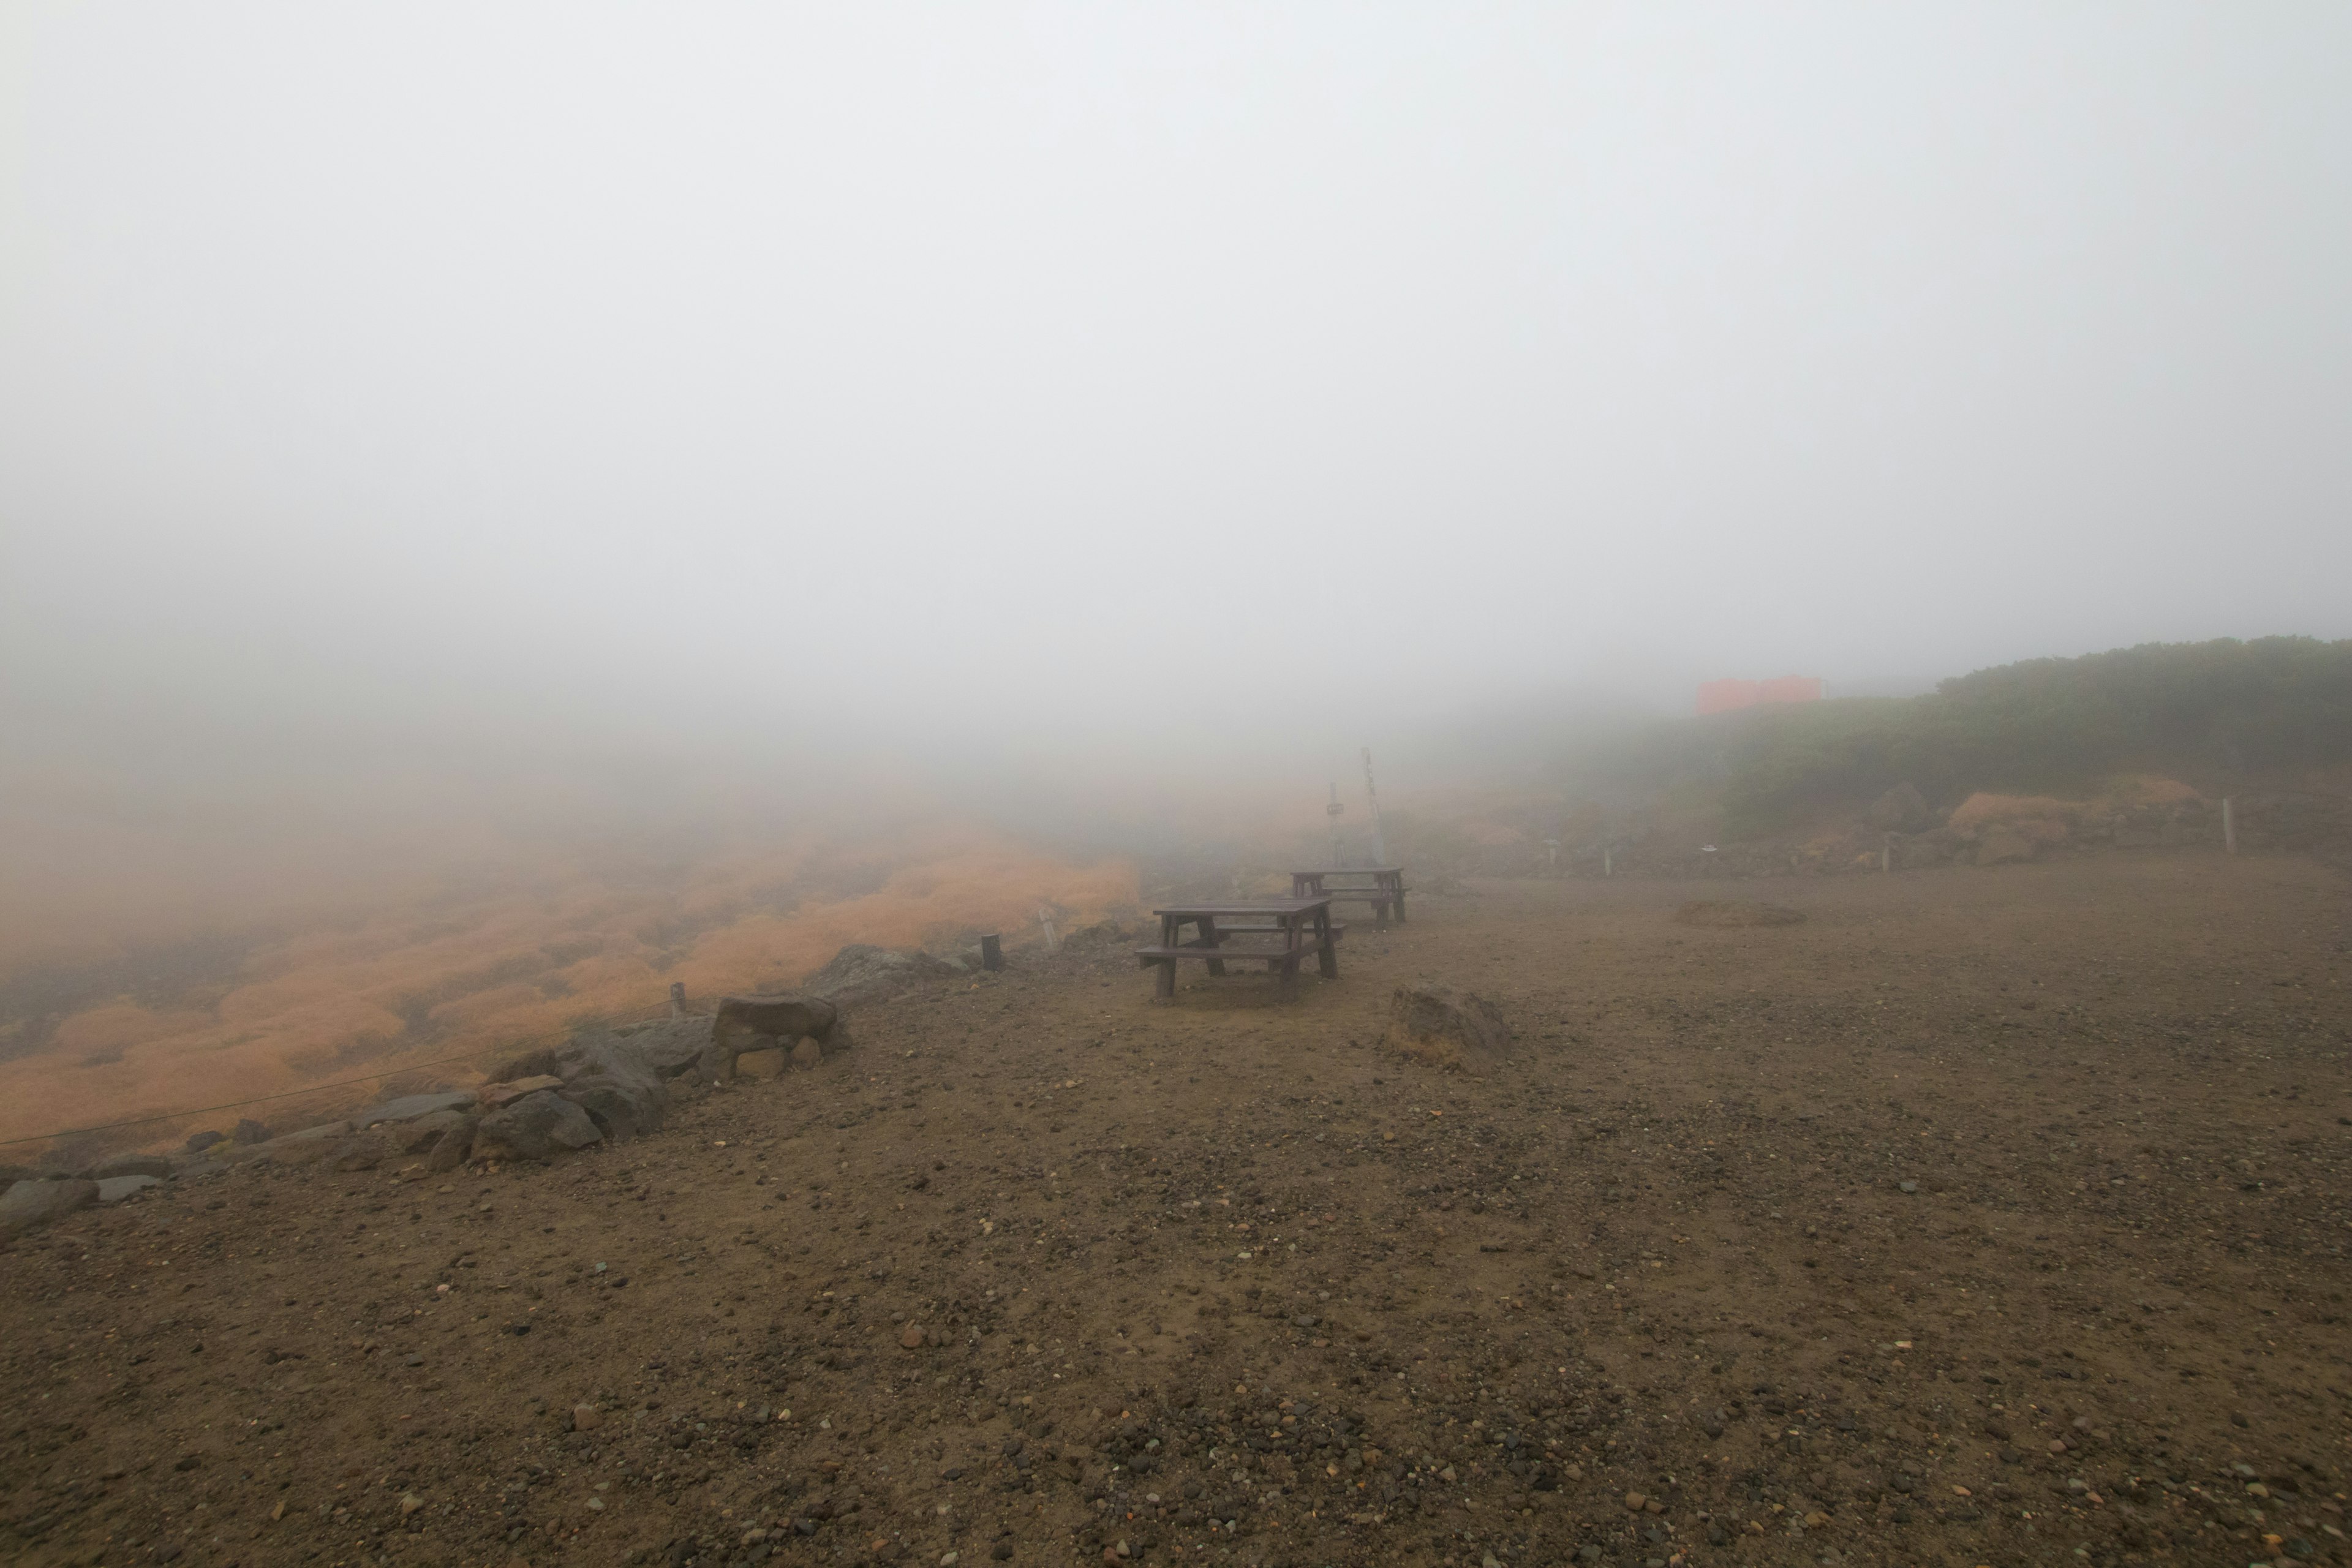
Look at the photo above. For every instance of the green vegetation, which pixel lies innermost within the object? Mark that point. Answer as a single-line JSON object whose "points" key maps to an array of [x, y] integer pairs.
{"points": [[2057, 726]]}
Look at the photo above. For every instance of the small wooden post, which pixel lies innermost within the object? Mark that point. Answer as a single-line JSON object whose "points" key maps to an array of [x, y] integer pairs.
{"points": [[2228, 825], [1886, 854], [991, 952], [1053, 939], [1607, 866], [678, 998]]}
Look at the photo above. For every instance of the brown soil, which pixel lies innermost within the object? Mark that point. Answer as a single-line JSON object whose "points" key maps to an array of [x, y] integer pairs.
{"points": [[1985, 1216]]}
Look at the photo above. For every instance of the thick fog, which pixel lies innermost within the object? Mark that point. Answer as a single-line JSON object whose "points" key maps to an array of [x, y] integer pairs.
{"points": [[406, 405], [514, 365]]}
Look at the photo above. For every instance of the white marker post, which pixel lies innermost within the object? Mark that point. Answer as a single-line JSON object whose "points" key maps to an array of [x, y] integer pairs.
{"points": [[2228, 825]]}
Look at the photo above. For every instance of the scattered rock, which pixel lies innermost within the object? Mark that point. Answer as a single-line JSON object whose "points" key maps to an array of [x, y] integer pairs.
{"points": [[538, 1126], [1724, 913], [29, 1204], [248, 1131], [912, 1338], [1443, 1028], [586, 1418], [199, 1142]]}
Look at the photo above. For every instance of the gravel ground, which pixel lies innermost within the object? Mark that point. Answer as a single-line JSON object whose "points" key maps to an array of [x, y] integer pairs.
{"points": [[1986, 1217]]}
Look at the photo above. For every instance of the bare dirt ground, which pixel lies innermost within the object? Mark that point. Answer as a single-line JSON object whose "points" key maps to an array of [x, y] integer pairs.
{"points": [[1985, 1217]]}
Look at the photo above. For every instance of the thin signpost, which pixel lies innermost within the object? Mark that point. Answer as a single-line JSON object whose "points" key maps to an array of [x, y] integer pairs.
{"points": [[1380, 845]]}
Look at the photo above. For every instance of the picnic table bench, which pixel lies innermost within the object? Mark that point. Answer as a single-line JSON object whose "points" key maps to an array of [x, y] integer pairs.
{"points": [[1301, 928], [1385, 891]]}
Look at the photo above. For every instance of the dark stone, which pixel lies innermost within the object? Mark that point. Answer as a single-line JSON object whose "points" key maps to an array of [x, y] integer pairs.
{"points": [[27, 1204], [538, 1126]]}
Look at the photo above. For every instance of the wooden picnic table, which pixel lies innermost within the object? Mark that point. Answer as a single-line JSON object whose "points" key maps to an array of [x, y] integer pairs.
{"points": [[1300, 927], [1385, 891]]}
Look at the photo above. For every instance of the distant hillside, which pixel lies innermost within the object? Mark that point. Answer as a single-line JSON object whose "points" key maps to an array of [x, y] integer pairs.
{"points": [[2201, 710]]}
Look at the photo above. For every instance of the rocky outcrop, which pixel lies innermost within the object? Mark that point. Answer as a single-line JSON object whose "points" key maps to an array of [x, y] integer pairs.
{"points": [[1443, 1028], [609, 1075]]}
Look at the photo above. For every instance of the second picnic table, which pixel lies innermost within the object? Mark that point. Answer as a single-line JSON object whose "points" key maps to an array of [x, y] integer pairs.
{"points": [[1386, 890], [1301, 927]]}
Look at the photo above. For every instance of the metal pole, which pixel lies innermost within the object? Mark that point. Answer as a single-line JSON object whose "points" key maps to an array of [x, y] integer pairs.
{"points": [[1333, 811], [1380, 845]]}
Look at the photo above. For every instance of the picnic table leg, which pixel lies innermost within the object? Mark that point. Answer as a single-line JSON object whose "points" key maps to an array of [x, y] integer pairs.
{"points": [[1329, 957], [1396, 891], [1286, 966], [1209, 938]]}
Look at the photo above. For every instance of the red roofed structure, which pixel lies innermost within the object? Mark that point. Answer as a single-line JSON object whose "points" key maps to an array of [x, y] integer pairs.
{"points": [[1722, 696]]}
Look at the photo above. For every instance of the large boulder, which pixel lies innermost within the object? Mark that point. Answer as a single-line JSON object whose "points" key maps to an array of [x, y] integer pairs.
{"points": [[415, 1137], [29, 1204], [454, 1147], [614, 1084], [765, 1023], [668, 1046], [248, 1131], [537, 1127], [1443, 1028], [607, 1075], [114, 1189]]}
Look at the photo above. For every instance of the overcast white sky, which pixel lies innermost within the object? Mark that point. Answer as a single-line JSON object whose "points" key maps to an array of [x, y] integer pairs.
{"points": [[495, 363]]}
